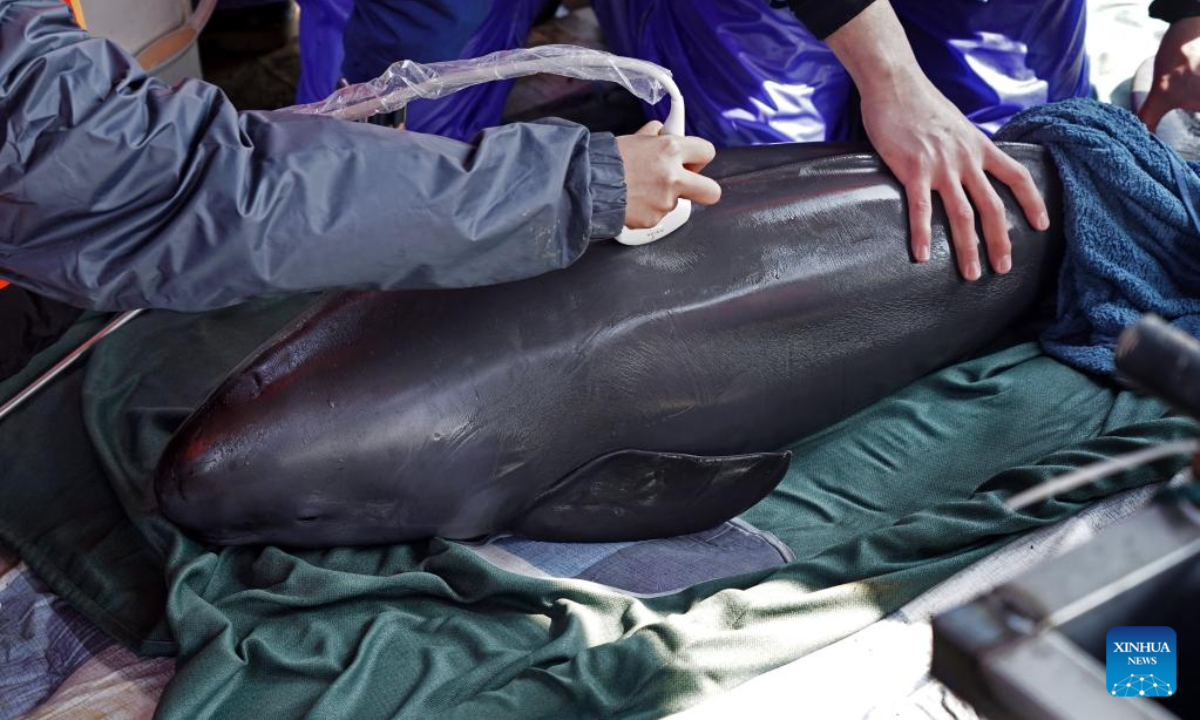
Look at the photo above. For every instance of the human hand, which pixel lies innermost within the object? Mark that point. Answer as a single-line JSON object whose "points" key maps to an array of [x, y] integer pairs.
{"points": [[1176, 73], [661, 169], [930, 146]]}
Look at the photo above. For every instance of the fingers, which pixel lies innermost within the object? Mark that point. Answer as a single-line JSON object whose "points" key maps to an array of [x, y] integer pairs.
{"points": [[659, 170], [1154, 108], [648, 212], [962, 229], [642, 219], [696, 153], [689, 155], [653, 127], [698, 189], [966, 191], [1018, 179], [683, 184], [994, 220], [920, 212]]}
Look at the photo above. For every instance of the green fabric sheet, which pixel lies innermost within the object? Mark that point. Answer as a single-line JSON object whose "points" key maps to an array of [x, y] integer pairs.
{"points": [[877, 509]]}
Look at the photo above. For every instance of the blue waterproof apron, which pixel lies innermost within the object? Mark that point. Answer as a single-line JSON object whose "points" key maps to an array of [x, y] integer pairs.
{"points": [[360, 45], [753, 74], [466, 112], [321, 25]]}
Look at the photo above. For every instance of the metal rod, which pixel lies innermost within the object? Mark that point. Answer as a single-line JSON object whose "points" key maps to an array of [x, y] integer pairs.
{"points": [[46, 377], [1096, 471]]}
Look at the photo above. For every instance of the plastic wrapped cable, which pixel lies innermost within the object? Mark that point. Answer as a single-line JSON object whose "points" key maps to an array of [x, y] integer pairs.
{"points": [[406, 81]]}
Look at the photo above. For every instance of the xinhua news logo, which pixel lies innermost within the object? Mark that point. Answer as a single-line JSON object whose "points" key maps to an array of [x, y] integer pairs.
{"points": [[1140, 662]]}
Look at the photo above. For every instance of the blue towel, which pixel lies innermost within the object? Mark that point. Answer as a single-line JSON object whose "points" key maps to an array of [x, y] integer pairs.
{"points": [[1132, 232]]}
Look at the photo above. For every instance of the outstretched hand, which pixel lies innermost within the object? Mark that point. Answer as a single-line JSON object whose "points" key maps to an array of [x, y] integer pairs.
{"points": [[930, 146], [661, 169]]}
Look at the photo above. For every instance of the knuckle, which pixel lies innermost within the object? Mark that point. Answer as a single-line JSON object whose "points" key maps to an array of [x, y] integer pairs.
{"points": [[948, 182], [966, 249], [923, 163], [913, 171], [1013, 170], [921, 205], [663, 202], [1022, 179], [997, 236]]}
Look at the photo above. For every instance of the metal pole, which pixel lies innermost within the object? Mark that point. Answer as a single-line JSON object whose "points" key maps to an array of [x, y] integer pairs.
{"points": [[66, 362]]}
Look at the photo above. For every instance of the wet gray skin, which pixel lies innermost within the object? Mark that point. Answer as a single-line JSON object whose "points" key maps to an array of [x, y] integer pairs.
{"points": [[641, 392]]}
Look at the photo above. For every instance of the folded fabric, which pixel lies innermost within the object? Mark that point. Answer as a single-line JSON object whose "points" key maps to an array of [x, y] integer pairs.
{"points": [[1132, 227], [884, 505], [646, 568]]}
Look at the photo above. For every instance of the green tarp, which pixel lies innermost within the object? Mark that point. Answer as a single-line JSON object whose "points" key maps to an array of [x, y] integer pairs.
{"points": [[877, 509]]}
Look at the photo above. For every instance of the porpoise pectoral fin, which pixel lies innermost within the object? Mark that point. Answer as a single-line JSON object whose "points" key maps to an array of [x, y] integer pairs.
{"points": [[636, 494]]}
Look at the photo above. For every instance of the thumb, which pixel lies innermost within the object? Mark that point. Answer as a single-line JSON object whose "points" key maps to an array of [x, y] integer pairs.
{"points": [[653, 127], [1154, 108]]}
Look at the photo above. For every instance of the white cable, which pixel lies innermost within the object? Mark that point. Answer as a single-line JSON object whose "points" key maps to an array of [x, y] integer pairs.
{"points": [[59, 367], [440, 79]]}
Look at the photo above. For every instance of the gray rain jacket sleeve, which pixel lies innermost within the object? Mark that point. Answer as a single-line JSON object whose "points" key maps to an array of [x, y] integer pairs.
{"points": [[117, 191]]}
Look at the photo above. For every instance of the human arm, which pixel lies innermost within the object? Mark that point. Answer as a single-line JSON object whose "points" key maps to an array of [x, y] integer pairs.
{"points": [[117, 191], [928, 144], [1176, 83]]}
